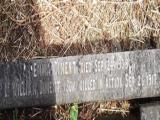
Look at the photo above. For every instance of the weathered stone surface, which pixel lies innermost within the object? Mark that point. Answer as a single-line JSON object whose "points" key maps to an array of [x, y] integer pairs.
{"points": [[150, 112], [112, 76]]}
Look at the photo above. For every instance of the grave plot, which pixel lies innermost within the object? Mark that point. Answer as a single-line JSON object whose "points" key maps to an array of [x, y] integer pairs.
{"points": [[33, 28], [77, 79]]}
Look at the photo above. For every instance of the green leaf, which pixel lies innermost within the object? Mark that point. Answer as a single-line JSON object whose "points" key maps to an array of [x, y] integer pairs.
{"points": [[74, 112], [15, 114]]}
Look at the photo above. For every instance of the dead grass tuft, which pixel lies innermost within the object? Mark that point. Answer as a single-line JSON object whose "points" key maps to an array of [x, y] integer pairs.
{"points": [[40, 28]]}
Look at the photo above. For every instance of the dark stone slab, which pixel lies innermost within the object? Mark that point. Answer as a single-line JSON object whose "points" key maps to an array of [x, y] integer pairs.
{"points": [[112, 76], [150, 112]]}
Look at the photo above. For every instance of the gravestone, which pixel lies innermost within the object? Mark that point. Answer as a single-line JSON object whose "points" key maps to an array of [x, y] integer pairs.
{"points": [[97, 77], [150, 111]]}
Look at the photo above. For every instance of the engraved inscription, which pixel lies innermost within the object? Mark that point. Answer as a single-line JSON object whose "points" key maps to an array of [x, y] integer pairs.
{"points": [[85, 67], [113, 76], [46, 87], [114, 82], [99, 65], [6, 89], [150, 80], [41, 69], [65, 68], [87, 85]]}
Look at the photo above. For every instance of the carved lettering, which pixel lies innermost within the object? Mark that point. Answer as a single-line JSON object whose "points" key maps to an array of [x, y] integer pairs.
{"points": [[85, 67], [99, 66], [34, 70], [66, 68], [6, 89], [114, 82], [87, 84], [42, 69], [46, 87], [113, 76]]}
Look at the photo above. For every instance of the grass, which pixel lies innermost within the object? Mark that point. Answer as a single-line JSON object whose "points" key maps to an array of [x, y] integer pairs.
{"points": [[61, 28], [86, 111], [30, 29], [15, 114]]}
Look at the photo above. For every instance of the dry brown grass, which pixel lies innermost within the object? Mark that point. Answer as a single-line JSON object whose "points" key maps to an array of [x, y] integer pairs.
{"points": [[40, 28], [87, 111], [90, 111], [69, 27], [72, 21]]}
